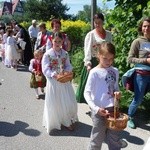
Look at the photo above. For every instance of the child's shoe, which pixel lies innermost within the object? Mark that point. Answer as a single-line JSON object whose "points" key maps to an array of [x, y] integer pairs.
{"points": [[37, 97], [15, 67]]}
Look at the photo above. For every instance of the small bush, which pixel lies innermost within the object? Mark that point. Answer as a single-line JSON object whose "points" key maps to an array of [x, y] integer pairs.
{"points": [[75, 35]]}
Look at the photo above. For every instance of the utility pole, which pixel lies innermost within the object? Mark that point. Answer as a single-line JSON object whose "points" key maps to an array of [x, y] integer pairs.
{"points": [[93, 11]]}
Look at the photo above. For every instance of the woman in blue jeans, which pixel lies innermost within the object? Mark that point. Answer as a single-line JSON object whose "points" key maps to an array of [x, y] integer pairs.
{"points": [[139, 54]]}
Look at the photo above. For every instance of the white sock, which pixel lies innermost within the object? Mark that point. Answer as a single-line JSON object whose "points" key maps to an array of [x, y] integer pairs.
{"points": [[36, 91]]}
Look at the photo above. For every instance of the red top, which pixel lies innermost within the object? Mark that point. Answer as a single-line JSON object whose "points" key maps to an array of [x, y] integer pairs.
{"points": [[37, 66], [43, 39]]}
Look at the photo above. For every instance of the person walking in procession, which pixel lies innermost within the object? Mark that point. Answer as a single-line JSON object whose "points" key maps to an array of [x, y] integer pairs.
{"points": [[91, 43], [37, 78], [33, 32], [100, 90]]}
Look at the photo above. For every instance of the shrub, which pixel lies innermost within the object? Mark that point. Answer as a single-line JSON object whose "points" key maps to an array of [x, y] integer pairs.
{"points": [[75, 35], [25, 24], [77, 63]]}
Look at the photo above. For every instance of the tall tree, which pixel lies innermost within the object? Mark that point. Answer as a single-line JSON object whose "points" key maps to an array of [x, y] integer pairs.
{"points": [[45, 9]]}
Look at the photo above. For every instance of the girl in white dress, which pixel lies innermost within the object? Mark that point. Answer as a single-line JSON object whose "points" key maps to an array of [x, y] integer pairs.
{"points": [[6, 62], [2, 50], [60, 102], [11, 52]]}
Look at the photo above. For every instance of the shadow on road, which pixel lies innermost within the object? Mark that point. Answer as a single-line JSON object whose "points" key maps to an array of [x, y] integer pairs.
{"points": [[145, 126], [142, 120], [22, 68], [131, 138], [81, 130], [8, 129]]}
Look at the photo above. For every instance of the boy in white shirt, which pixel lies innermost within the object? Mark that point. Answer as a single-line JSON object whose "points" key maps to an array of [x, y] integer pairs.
{"points": [[100, 89]]}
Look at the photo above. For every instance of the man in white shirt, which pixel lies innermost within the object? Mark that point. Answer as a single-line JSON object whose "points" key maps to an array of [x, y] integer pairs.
{"points": [[33, 31]]}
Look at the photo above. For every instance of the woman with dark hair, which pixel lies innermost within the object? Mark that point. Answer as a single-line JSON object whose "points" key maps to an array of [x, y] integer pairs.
{"points": [[27, 54], [56, 27], [139, 55], [91, 43]]}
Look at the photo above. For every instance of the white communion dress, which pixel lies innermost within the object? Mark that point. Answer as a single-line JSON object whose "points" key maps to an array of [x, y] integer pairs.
{"points": [[11, 52], [60, 103]]}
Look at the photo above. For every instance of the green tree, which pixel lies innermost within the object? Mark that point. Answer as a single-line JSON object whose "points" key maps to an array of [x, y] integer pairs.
{"points": [[45, 9], [85, 14]]}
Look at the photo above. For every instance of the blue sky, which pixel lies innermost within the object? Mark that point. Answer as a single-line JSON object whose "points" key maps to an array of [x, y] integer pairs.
{"points": [[76, 5]]}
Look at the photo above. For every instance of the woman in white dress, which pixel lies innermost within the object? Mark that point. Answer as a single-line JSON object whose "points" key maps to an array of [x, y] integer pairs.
{"points": [[60, 103], [11, 52]]}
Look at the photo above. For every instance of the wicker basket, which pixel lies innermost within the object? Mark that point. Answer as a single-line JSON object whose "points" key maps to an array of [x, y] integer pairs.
{"points": [[65, 77], [118, 122]]}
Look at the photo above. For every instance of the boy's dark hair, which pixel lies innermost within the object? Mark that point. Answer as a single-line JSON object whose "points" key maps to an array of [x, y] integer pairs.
{"points": [[107, 47], [57, 34], [99, 16], [141, 24]]}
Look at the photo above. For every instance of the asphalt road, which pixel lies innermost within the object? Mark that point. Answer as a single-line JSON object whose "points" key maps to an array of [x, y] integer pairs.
{"points": [[21, 120]]}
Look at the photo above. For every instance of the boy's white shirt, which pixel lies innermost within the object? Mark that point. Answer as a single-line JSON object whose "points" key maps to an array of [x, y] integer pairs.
{"points": [[100, 84]]}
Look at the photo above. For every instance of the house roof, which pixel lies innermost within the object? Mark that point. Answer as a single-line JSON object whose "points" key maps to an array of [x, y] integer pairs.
{"points": [[9, 7], [1, 8], [5, 7], [14, 5]]}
